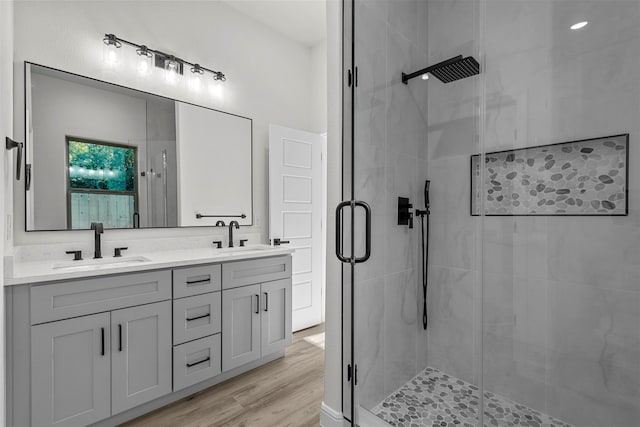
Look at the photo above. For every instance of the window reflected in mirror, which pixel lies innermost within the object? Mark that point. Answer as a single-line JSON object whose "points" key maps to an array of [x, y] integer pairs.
{"points": [[101, 184]]}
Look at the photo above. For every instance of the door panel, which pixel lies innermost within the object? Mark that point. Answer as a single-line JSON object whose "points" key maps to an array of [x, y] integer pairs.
{"points": [[240, 326], [70, 382], [295, 214], [141, 360], [276, 316]]}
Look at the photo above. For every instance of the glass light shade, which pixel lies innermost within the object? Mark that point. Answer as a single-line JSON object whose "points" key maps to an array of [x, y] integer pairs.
{"points": [[195, 80], [171, 70], [216, 89], [110, 55], [144, 64]]}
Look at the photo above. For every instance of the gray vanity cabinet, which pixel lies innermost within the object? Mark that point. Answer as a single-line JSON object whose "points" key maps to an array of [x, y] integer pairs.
{"points": [[240, 326], [141, 355], [71, 371], [276, 316], [256, 309]]}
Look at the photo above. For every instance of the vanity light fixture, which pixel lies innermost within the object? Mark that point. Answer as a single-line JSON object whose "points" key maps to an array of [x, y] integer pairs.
{"points": [[579, 25], [195, 82], [110, 50], [147, 58]]}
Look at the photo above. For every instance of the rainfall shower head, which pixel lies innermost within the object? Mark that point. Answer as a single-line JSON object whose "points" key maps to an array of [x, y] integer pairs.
{"points": [[450, 70]]}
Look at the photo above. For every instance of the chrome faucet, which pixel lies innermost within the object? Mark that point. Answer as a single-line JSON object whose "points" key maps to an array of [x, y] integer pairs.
{"points": [[231, 225], [98, 229]]}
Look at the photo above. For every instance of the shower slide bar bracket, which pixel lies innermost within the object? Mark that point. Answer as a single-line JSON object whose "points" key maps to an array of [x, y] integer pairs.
{"points": [[448, 71], [367, 210]]}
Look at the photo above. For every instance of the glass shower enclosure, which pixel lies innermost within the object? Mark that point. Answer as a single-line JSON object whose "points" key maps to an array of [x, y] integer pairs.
{"points": [[533, 284]]}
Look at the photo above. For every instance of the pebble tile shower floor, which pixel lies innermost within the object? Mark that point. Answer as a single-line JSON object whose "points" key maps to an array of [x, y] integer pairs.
{"points": [[435, 399]]}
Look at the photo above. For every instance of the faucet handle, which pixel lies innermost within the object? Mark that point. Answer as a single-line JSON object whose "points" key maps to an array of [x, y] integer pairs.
{"points": [[77, 255], [243, 241], [218, 244], [117, 252]]}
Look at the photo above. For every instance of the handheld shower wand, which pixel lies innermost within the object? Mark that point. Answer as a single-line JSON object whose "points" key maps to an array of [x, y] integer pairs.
{"points": [[425, 250]]}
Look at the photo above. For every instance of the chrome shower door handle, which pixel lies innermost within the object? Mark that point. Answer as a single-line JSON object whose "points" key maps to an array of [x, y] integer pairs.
{"points": [[367, 244], [339, 253], [367, 210]]}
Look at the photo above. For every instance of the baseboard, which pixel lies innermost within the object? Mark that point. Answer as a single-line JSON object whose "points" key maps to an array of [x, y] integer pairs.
{"points": [[330, 418]]}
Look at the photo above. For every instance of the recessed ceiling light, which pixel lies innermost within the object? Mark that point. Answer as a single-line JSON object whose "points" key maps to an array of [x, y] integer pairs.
{"points": [[579, 25], [425, 76]]}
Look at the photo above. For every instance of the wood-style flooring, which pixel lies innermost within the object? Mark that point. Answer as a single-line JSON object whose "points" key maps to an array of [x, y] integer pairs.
{"points": [[284, 393]]}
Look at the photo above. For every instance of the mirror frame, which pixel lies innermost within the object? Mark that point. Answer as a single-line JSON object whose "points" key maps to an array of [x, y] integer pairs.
{"points": [[27, 65]]}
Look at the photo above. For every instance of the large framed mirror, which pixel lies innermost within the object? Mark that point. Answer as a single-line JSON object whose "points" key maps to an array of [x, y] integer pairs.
{"points": [[99, 152]]}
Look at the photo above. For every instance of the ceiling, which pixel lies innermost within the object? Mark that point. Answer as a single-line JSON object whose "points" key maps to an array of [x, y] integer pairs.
{"points": [[301, 20]]}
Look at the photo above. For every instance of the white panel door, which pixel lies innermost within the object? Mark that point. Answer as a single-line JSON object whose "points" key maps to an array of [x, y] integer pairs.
{"points": [[295, 214]]}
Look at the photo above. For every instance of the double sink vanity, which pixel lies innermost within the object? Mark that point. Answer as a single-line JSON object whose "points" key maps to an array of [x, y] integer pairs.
{"points": [[101, 341]]}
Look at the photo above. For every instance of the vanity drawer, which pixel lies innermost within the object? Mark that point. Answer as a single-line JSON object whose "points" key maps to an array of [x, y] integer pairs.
{"points": [[241, 273], [63, 300], [196, 361], [196, 317], [196, 280]]}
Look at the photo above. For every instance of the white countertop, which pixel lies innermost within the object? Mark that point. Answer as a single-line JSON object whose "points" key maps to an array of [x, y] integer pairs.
{"points": [[48, 271]]}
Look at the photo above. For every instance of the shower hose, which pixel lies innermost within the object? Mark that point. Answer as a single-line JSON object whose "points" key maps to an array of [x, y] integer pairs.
{"points": [[425, 263]]}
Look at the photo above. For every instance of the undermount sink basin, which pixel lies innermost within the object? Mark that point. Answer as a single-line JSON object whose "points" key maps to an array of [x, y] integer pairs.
{"points": [[99, 263], [242, 249]]}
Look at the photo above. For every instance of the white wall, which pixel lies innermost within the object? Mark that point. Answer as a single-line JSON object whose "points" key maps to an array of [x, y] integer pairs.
{"points": [[268, 74], [61, 108], [319, 88], [6, 170]]}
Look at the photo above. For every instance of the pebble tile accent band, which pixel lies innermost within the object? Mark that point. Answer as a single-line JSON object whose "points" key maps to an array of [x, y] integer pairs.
{"points": [[435, 399], [573, 178]]}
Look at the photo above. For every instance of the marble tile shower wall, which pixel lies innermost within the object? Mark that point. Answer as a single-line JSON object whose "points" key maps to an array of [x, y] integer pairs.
{"points": [[391, 150], [561, 303]]}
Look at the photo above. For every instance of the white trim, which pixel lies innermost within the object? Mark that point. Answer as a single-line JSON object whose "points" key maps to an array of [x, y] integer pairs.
{"points": [[331, 418]]}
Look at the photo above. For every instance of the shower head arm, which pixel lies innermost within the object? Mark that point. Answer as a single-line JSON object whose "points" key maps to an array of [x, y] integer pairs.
{"points": [[407, 77]]}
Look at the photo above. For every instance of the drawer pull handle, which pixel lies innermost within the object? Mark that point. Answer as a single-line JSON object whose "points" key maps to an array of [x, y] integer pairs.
{"points": [[193, 282], [119, 336], [191, 319], [102, 345], [266, 301], [198, 363]]}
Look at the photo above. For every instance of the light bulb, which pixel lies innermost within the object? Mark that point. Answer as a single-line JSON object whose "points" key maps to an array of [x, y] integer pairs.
{"points": [[425, 76]]}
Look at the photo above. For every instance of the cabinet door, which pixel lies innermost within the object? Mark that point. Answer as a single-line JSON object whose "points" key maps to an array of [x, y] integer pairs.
{"points": [[141, 356], [240, 326], [70, 372], [276, 316]]}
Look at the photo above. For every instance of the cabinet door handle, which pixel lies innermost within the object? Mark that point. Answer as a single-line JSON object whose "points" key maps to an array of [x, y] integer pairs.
{"points": [[191, 319], [102, 343], [257, 304], [119, 336], [193, 282], [198, 363], [266, 301]]}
